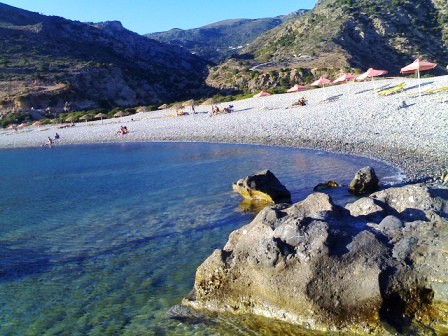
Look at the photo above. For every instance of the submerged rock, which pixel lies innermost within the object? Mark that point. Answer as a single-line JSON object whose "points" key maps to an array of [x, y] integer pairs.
{"points": [[325, 186], [330, 268], [263, 186], [365, 181]]}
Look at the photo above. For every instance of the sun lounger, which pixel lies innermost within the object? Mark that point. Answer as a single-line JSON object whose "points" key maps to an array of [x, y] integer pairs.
{"points": [[395, 89], [435, 90]]}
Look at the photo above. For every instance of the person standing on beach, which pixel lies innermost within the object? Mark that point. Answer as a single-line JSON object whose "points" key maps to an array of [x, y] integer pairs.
{"points": [[49, 142]]}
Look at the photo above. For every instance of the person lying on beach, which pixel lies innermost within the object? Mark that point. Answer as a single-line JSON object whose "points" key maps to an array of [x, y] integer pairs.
{"points": [[181, 113], [123, 130], [301, 102], [66, 126], [215, 110], [228, 109]]}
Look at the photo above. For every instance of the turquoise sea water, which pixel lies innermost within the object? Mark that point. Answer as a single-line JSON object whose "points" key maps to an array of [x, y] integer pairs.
{"points": [[103, 239]]}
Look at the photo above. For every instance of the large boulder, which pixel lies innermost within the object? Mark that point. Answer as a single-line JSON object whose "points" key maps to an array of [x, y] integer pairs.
{"points": [[365, 181], [380, 262], [264, 186]]}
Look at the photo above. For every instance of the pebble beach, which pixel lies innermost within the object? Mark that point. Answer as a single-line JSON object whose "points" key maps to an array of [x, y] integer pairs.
{"points": [[349, 118]]}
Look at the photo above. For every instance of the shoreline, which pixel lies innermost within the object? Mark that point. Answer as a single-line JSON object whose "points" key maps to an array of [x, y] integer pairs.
{"points": [[359, 122]]}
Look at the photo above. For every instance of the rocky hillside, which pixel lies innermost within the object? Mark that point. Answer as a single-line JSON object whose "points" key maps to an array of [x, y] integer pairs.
{"points": [[218, 41], [45, 61], [342, 35]]}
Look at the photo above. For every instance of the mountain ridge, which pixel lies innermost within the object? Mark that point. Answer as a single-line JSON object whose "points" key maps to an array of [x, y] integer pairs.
{"points": [[220, 40]]}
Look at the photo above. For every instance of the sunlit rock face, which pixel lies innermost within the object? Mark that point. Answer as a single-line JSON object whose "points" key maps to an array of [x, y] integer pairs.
{"points": [[262, 186]]}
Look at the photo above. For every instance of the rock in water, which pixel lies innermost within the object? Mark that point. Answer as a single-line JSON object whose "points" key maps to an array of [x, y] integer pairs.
{"points": [[322, 266], [326, 185], [365, 181], [263, 186]]}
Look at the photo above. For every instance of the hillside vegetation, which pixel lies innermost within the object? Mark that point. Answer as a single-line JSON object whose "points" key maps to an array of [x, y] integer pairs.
{"points": [[90, 65], [339, 36]]}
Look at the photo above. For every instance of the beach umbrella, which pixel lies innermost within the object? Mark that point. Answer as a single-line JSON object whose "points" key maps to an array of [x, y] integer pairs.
{"points": [[101, 115], [191, 103], [210, 102], [119, 114], [85, 117], [141, 109], [177, 107], [262, 94], [344, 78], [321, 82], [418, 66], [297, 88], [370, 73], [70, 119], [163, 107]]}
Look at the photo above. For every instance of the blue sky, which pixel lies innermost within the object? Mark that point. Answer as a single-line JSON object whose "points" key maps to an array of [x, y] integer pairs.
{"points": [[147, 16]]}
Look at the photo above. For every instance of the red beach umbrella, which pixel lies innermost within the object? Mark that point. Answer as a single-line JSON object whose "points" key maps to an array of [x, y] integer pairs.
{"points": [[371, 73], [344, 78], [418, 66], [321, 82], [262, 94], [297, 88]]}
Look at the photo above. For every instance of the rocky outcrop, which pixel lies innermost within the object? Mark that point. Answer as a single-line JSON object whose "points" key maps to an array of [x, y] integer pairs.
{"points": [[365, 181], [380, 259], [263, 186]]}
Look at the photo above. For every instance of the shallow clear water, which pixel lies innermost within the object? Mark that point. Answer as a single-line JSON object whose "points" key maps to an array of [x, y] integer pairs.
{"points": [[103, 239]]}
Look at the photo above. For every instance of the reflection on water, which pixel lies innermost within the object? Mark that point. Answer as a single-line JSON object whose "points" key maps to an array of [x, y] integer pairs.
{"points": [[253, 206], [103, 239]]}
